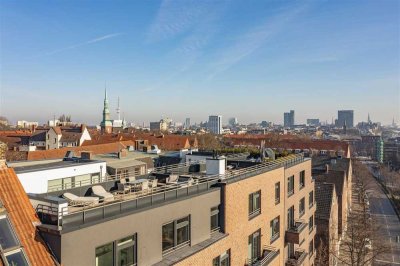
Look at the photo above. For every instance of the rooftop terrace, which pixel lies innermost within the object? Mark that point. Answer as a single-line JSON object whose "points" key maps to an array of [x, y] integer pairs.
{"points": [[190, 181]]}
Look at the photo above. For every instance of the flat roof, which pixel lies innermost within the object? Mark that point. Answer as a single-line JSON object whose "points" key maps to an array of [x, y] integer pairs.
{"points": [[51, 165]]}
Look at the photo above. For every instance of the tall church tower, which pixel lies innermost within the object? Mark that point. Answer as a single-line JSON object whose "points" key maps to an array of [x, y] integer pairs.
{"points": [[106, 124]]}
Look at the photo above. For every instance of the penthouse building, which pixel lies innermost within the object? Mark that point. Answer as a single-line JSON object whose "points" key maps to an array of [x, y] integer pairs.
{"points": [[222, 211]]}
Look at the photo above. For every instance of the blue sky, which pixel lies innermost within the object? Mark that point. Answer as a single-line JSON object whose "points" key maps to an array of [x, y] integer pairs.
{"points": [[252, 60]]}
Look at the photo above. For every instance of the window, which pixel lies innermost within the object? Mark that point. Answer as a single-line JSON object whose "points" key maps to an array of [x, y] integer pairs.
{"points": [[8, 238], [302, 206], [16, 258], [254, 246], [311, 199], [290, 185], [55, 140], [214, 219], [290, 219], [277, 192], [175, 234], [105, 255], [223, 259], [302, 179], [311, 223], [275, 226], [254, 204], [311, 247], [126, 251]]}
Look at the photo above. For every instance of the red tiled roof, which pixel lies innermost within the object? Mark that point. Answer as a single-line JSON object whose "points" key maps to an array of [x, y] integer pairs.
{"points": [[23, 216], [95, 149], [288, 142]]}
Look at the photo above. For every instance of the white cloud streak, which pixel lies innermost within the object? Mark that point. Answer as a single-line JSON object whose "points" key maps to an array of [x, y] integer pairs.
{"points": [[99, 39]]}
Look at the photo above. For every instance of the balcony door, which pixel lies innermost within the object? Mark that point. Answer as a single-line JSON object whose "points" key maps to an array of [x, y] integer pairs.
{"points": [[254, 246], [290, 217]]}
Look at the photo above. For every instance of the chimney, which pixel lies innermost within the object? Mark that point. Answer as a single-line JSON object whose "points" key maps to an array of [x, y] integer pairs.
{"points": [[83, 127], [86, 155], [326, 168], [216, 166], [122, 153]]}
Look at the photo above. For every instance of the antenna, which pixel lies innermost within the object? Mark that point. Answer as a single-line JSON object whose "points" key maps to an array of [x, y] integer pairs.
{"points": [[118, 110]]}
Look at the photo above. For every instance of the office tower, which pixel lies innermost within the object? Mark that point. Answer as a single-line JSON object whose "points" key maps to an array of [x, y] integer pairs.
{"points": [[215, 124], [288, 119], [345, 117]]}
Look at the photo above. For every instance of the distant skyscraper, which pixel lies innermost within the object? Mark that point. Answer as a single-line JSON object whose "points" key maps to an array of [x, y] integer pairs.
{"points": [[215, 124], [187, 123], [288, 119], [233, 121], [345, 117]]}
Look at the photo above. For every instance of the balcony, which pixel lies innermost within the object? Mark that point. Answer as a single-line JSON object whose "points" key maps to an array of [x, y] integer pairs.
{"points": [[268, 255], [297, 258], [296, 233]]}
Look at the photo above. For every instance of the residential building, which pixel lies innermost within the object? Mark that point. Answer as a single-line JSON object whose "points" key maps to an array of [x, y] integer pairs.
{"points": [[215, 124], [26, 124], [345, 118], [248, 215], [58, 137], [288, 119], [326, 219], [162, 125]]}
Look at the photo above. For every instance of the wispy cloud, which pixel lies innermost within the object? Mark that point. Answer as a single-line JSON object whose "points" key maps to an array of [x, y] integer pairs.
{"points": [[253, 39], [95, 40], [176, 17]]}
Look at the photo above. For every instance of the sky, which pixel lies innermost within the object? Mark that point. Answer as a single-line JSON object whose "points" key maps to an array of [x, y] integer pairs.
{"points": [[253, 60]]}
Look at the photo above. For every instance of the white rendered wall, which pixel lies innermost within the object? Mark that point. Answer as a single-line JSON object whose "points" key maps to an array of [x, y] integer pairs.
{"points": [[36, 182]]}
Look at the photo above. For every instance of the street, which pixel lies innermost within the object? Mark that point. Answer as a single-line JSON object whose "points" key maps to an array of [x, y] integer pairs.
{"points": [[383, 213]]}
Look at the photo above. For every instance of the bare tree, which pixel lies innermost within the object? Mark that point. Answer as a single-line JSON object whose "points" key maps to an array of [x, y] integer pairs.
{"points": [[362, 242]]}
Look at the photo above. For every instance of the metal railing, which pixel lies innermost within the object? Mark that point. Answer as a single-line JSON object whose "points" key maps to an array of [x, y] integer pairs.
{"points": [[135, 200], [268, 254], [298, 226], [297, 258]]}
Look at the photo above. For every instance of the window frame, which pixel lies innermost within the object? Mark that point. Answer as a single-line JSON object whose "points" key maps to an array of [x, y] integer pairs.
{"points": [[254, 204], [251, 238], [277, 193], [275, 236], [214, 212], [302, 179], [302, 207], [176, 227], [226, 255], [311, 223], [290, 185], [311, 196]]}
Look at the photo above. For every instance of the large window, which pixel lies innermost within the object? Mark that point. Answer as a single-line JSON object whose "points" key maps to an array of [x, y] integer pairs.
{"points": [[175, 234], [16, 258], [275, 226], [290, 185], [302, 180], [254, 204], [254, 248], [302, 207], [277, 192], [311, 199], [105, 255], [214, 219], [120, 253], [223, 259]]}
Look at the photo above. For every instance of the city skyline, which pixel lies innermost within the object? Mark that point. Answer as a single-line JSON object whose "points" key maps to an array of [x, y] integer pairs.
{"points": [[229, 58]]}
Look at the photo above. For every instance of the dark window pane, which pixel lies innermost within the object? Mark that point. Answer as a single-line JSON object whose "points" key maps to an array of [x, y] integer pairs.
{"points": [[168, 236], [104, 255], [182, 234], [7, 236], [17, 259], [126, 256]]}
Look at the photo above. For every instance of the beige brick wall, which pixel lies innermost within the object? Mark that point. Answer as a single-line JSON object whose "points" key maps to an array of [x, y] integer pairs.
{"points": [[239, 227]]}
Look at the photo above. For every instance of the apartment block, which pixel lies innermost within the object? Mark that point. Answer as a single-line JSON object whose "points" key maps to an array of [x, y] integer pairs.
{"points": [[224, 211]]}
